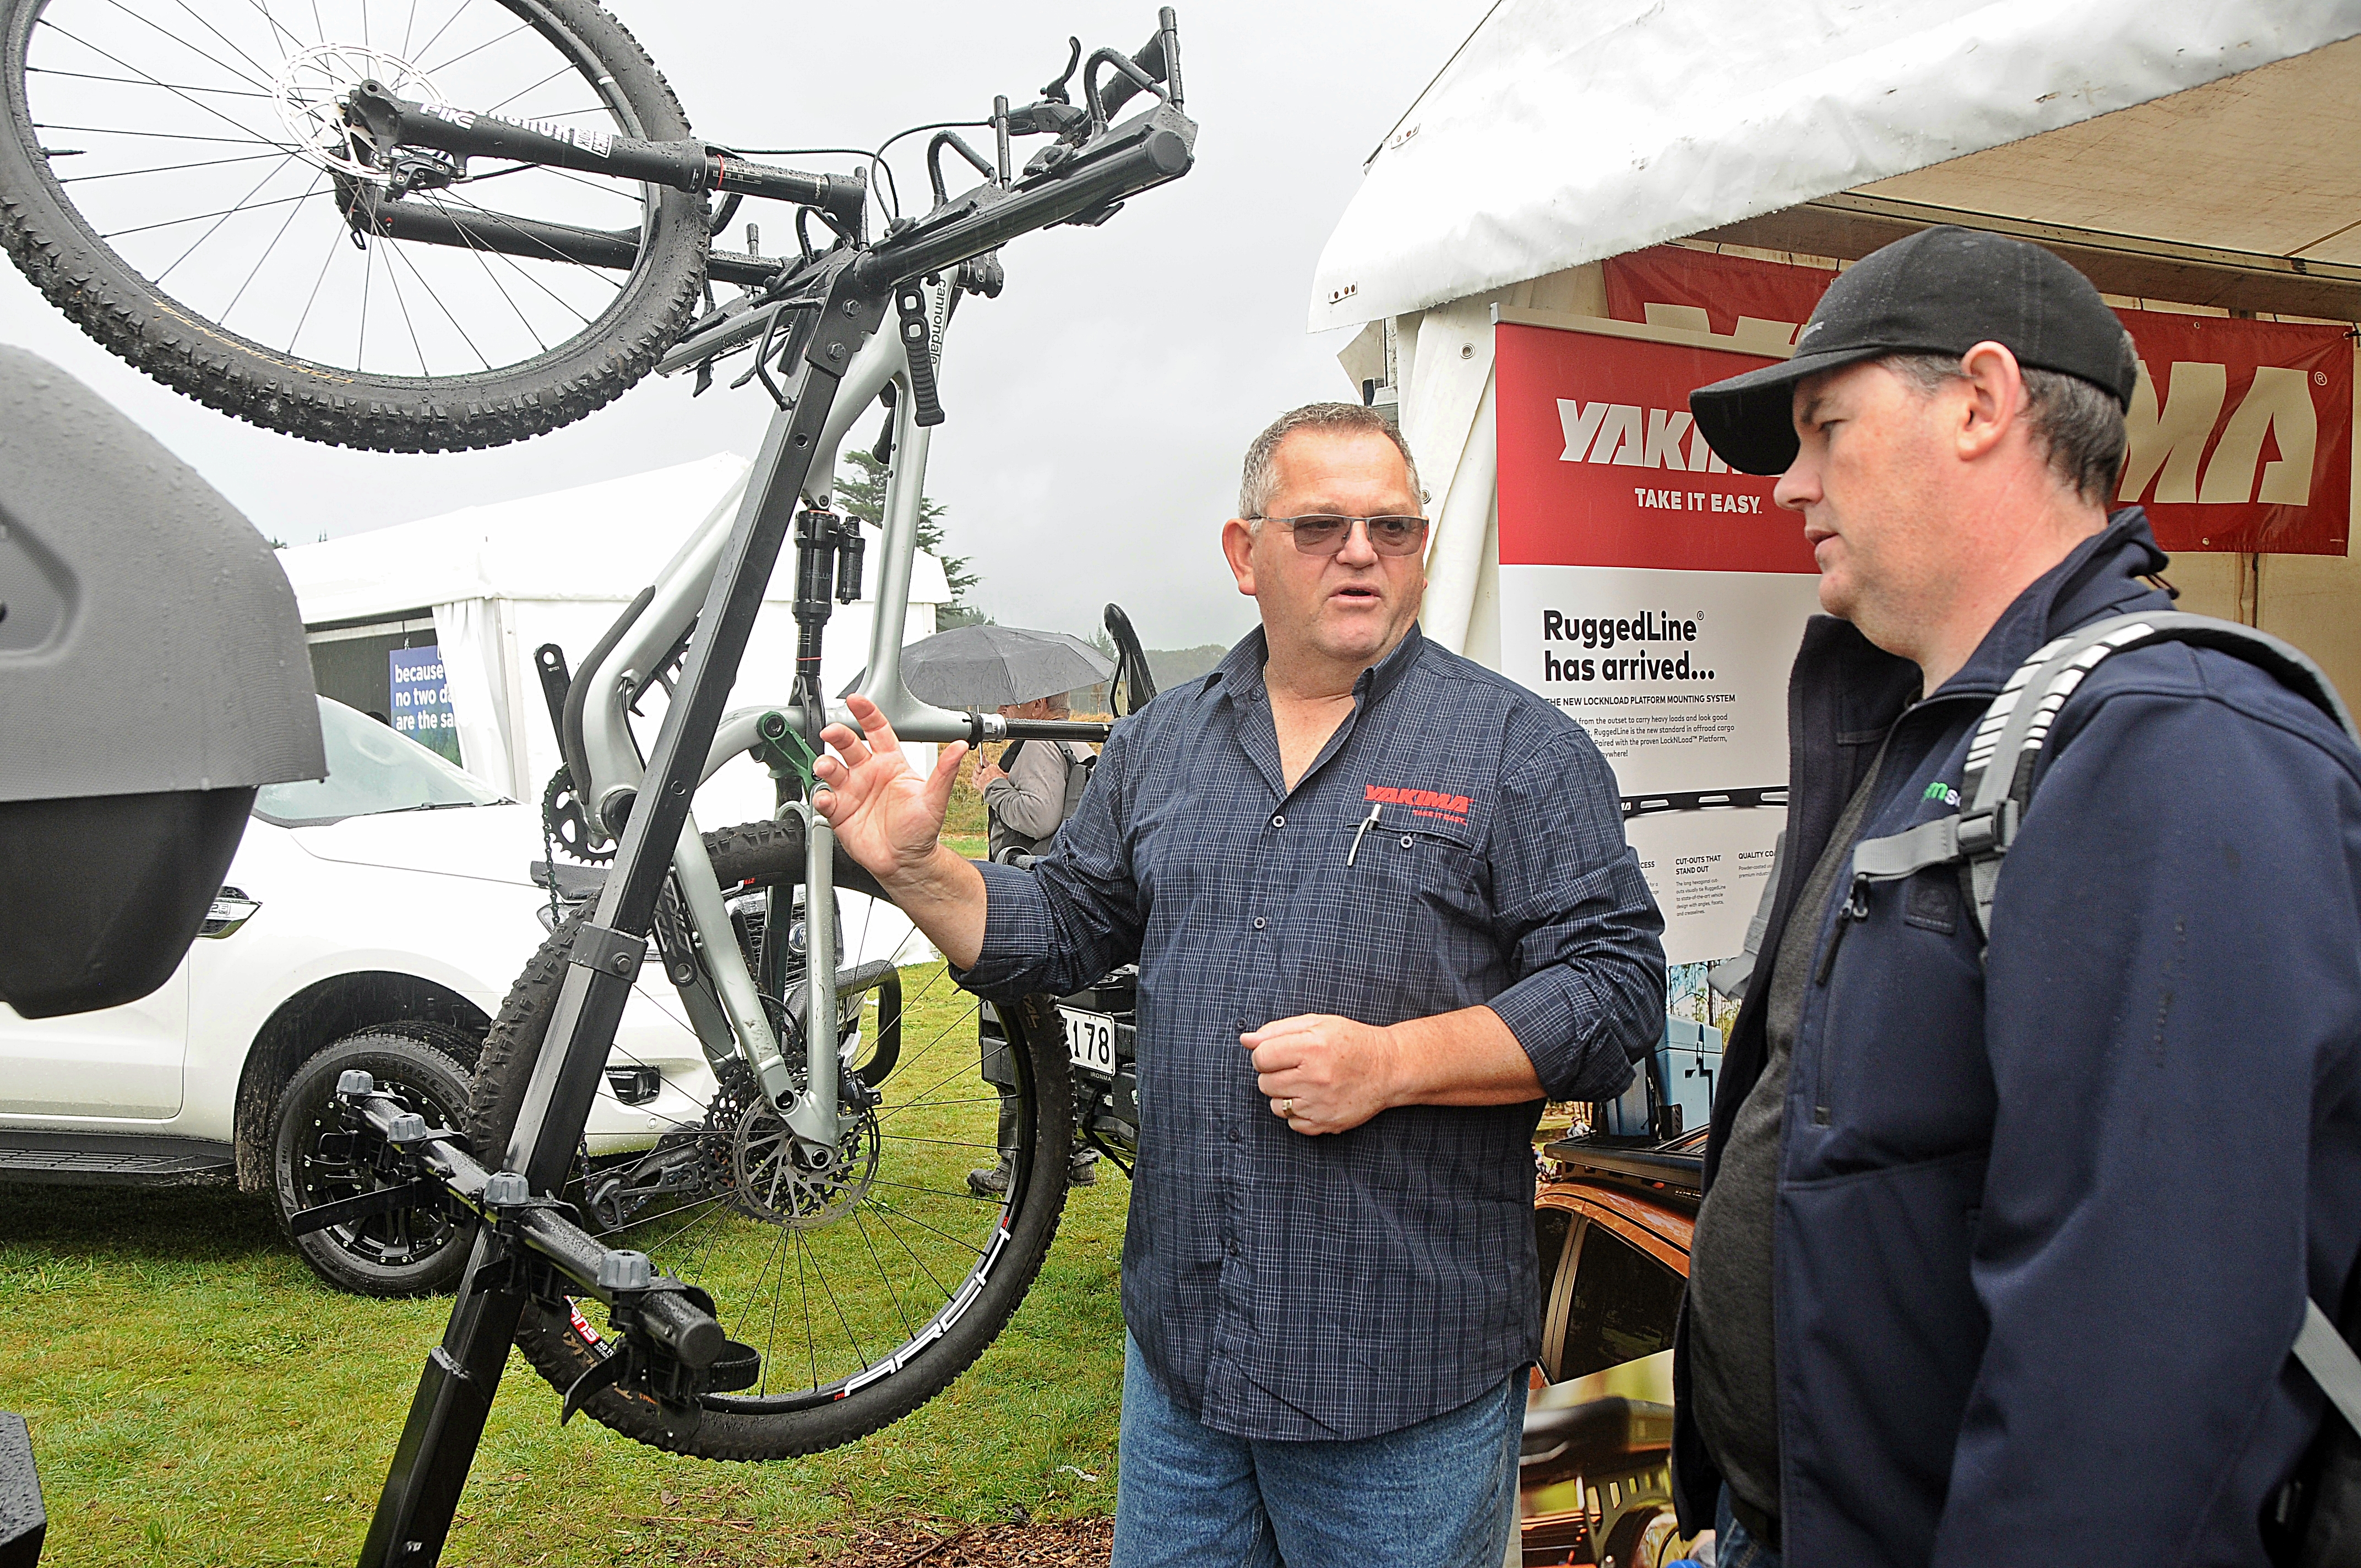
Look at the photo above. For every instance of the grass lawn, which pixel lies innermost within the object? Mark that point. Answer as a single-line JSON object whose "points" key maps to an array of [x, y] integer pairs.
{"points": [[197, 1398]]}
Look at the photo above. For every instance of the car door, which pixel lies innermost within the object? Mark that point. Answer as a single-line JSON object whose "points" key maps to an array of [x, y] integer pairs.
{"points": [[118, 1064]]}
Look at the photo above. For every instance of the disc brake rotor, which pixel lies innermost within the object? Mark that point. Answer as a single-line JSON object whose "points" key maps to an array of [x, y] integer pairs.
{"points": [[310, 94], [766, 1176]]}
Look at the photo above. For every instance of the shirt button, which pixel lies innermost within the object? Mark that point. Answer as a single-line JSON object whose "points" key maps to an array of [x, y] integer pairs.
{"points": [[1232, 1247], [1236, 1136], [1280, 821], [1259, 922], [1406, 841]]}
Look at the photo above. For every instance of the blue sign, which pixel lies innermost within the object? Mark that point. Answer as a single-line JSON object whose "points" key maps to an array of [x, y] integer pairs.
{"points": [[422, 700]]}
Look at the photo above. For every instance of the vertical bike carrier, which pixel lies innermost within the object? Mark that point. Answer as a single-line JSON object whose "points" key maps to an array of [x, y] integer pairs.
{"points": [[1997, 786]]}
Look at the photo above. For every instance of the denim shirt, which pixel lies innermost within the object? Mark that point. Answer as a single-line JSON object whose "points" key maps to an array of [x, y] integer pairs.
{"points": [[1457, 841]]}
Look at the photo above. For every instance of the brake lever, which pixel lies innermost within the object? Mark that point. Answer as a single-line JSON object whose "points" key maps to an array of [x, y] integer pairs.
{"points": [[1056, 91]]}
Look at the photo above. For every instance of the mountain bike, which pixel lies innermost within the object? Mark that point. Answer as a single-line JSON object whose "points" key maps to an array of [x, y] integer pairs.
{"points": [[518, 227]]}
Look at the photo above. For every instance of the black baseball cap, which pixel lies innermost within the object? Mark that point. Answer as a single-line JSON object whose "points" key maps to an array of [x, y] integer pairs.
{"points": [[1942, 290]]}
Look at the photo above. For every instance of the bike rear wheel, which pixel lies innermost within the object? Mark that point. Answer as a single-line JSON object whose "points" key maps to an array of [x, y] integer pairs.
{"points": [[867, 1296], [177, 179]]}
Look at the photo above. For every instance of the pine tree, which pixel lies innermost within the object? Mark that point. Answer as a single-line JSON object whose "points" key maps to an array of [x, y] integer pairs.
{"points": [[861, 492]]}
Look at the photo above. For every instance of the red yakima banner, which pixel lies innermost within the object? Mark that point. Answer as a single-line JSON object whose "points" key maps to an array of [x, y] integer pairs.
{"points": [[1602, 464], [2241, 430], [1657, 598]]}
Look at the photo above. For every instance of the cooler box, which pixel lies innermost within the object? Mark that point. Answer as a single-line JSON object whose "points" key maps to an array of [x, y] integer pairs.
{"points": [[1672, 1092]]}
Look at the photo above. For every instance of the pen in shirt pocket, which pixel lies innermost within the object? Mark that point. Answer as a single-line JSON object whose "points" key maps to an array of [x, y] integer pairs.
{"points": [[1367, 822]]}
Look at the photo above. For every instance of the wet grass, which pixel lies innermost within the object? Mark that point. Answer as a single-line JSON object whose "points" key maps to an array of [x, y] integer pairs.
{"points": [[197, 1398]]}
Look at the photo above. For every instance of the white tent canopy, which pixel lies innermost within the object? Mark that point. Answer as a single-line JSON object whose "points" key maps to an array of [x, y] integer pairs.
{"points": [[1561, 134], [2203, 154], [502, 580]]}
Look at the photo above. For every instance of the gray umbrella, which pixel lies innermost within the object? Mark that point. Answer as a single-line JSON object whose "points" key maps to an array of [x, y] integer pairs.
{"points": [[994, 666]]}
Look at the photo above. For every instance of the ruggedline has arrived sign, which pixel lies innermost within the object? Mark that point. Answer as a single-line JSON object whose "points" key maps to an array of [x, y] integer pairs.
{"points": [[1658, 599]]}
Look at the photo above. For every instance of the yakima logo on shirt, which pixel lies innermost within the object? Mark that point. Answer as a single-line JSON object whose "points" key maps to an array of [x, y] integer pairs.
{"points": [[1422, 802]]}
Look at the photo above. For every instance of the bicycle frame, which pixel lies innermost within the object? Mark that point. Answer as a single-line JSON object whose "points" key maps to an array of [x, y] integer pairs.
{"points": [[653, 628]]}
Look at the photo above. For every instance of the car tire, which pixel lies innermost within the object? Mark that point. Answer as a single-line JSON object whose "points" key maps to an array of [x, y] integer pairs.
{"points": [[410, 1252]]}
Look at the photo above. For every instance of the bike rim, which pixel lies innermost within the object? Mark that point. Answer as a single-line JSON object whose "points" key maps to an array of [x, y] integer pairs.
{"points": [[202, 150], [858, 1280]]}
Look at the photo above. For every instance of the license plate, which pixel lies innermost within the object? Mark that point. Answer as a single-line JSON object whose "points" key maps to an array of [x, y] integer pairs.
{"points": [[1090, 1040]]}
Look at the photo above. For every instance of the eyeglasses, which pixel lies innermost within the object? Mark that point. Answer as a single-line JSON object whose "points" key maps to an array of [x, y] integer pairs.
{"points": [[1323, 534]]}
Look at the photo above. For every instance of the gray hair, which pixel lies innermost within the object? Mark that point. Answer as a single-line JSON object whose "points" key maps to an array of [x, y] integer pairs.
{"points": [[1256, 483], [2078, 424]]}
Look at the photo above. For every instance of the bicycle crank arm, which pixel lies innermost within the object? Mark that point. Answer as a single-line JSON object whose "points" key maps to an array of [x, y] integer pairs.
{"points": [[392, 122]]}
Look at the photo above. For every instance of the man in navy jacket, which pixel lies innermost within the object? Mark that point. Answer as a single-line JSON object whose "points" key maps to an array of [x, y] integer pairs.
{"points": [[2001, 1257]]}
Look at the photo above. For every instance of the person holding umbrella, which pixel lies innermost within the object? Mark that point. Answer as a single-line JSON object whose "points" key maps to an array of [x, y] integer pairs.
{"points": [[1027, 798], [1035, 785], [1026, 675]]}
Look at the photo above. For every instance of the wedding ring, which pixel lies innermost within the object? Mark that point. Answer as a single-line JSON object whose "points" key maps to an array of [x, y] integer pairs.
{"points": [[1286, 1110]]}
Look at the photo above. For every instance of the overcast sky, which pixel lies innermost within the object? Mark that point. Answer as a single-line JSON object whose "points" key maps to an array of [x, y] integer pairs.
{"points": [[1097, 410]]}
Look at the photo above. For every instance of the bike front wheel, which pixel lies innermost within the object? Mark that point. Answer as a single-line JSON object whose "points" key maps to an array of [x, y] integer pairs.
{"points": [[181, 182], [865, 1292]]}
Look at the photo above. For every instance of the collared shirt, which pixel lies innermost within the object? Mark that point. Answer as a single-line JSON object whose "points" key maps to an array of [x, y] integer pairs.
{"points": [[1457, 841]]}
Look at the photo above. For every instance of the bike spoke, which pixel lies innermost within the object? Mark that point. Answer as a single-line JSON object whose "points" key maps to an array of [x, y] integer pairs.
{"points": [[224, 217], [201, 54], [164, 135], [943, 1289], [562, 70], [457, 13], [261, 71], [510, 224], [325, 262], [276, 25], [173, 168], [425, 70], [924, 1226], [268, 249], [393, 279], [891, 1294], [402, 256], [182, 88], [201, 218]]}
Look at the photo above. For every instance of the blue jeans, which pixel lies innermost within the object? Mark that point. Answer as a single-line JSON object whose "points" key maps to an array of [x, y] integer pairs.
{"points": [[1440, 1493], [1733, 1547]]}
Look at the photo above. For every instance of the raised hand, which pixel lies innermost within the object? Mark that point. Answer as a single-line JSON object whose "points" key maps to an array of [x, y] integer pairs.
{"points": [[886, 816]]}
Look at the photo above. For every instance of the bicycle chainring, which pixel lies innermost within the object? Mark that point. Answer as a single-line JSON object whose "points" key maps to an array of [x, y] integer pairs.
{"points": [[568, 822]]}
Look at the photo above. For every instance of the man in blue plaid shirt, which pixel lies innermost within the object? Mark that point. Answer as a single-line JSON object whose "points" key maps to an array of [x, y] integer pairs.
{"points": [[1382, 907]]}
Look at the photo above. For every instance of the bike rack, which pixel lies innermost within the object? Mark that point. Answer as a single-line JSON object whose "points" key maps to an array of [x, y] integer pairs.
{"points": [[527, 1247]]}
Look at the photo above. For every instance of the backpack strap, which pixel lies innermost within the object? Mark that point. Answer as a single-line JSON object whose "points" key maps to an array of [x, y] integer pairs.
{"points": [[2331, 1361], [2003, 754]]}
